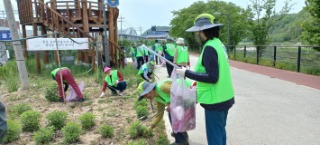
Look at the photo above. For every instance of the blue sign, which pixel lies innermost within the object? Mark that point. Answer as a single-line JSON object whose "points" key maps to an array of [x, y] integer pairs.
{"points": [[113, 3], [5, 35]]}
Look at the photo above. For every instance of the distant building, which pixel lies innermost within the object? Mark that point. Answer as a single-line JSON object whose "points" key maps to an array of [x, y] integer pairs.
{"points": [[129, 34], [157, 32]]}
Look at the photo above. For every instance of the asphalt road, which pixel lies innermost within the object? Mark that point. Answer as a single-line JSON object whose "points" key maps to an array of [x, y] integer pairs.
{"points": [[268, 111]]}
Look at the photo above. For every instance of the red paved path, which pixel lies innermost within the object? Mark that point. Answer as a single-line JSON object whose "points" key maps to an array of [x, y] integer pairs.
{"points": [[298, 78]]}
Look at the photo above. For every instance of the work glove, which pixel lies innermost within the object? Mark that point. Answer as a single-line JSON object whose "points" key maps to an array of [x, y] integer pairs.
{"points": [[116, 83], [102, 94], [181, 71]]}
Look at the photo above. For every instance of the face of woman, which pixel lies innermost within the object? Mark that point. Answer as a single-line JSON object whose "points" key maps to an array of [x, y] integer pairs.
{"points": [[150, 95], [200, 36]]}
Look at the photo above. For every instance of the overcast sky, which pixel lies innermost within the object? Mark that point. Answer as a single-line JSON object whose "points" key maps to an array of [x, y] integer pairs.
{"points": [[146, 13]]}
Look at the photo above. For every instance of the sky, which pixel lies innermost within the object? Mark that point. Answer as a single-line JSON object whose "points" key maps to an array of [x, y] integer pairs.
{"points": [[142, 14]]}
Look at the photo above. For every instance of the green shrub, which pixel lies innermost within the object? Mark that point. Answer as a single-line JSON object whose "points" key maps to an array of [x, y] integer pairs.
{"points": [[162, 140], [12, 83], [138, 142], [13, 131], [71, 132], [30, 120], [21, 108], [106, 131], [136, 130], [143, 102], [87, 120], [142, 111], [57, 119], [44, 135], [51, 94]]}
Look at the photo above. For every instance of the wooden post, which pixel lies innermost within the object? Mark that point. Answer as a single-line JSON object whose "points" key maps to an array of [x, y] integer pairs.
{"points": [[35, 33], [24, 34], [111, 34], [46, 53], [85, 22]]}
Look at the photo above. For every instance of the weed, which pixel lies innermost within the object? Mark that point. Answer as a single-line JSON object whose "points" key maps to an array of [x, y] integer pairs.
{"points": [[44, 135], [51, 94], [162, 140], [13, 131], [106, 131], [129, 120], [143, 102], [137, 142], [136, 130], [112, 113], [87, 120], [142, 111], [71, 132], [57, 119], [30, 120], [21, 108]]}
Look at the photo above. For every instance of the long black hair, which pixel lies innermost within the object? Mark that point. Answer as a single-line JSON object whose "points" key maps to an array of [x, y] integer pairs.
{"points": [[212, 32]]}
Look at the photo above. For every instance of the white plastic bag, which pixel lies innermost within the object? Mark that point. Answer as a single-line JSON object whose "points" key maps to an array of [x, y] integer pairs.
{"points": [[72, 96], [135, 63], [182, 104]]}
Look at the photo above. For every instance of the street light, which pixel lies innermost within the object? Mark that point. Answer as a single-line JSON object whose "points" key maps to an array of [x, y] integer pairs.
{"points": [[228, 39]]}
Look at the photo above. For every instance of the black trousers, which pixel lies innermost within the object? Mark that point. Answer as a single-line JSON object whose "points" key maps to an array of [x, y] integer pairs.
{"points": [[140, 62], [169, 68]]}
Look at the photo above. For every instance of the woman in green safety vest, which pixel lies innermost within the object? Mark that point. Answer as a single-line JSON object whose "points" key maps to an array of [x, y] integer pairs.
{"points": [[139, 54], [160, 91], [168, 50], [181, 54], [67, 79], [212, 73], [146, 70], [114, 81]]}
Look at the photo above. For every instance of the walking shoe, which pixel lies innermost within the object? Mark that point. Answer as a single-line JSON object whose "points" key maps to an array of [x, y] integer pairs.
{"points": [[61, 100], [121, 93], [114, 93], [183, 143], [80, 100]]}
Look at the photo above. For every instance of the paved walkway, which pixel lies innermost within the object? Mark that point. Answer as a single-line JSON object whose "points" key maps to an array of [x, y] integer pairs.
{"points": [[273, 107]]}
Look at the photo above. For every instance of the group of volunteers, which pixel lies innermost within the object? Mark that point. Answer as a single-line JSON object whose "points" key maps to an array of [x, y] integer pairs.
{"points": [[211, 78]]}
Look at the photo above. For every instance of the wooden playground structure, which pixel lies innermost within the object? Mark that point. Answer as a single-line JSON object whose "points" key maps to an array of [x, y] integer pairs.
{"points": [[75, 19]]}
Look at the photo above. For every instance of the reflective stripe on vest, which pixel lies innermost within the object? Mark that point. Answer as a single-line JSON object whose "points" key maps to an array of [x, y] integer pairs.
{"points": [[170, 49], [182, 54], [54, 72], [114, 78], [222, 90]]}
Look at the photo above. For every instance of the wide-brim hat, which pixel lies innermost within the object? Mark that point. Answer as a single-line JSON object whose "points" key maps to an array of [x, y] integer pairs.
{"points": [[203, 22], [180, 41], [145, 88]]}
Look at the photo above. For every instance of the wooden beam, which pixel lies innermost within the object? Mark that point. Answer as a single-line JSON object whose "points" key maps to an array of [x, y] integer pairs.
{"points": [[24, 34], [35, 33]]}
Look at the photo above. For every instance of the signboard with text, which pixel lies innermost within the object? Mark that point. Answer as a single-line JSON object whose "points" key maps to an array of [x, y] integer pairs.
{"points": [[5, 35], [39, 44], [113, 3]]}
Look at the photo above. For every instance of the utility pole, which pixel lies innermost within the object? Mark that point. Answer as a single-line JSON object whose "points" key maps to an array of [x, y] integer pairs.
{"points": [[140, 29], [121, 34], [17, 45]]}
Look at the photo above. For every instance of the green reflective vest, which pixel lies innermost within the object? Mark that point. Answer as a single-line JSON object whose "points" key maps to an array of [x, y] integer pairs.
{"points": [[158, 47], [183, 54], [54, 72], [170, 49], [221, 91], [114, 77], [142, 68], [139, 52]]}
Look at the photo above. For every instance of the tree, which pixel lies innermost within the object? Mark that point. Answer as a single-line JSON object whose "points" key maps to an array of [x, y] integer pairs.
{"points": [[265, 18], [184, 19], [311, 26]]}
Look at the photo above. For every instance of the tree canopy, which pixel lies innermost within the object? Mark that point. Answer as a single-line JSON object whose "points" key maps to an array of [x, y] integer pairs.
{"points": [[311, 26], [222, 11]]}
